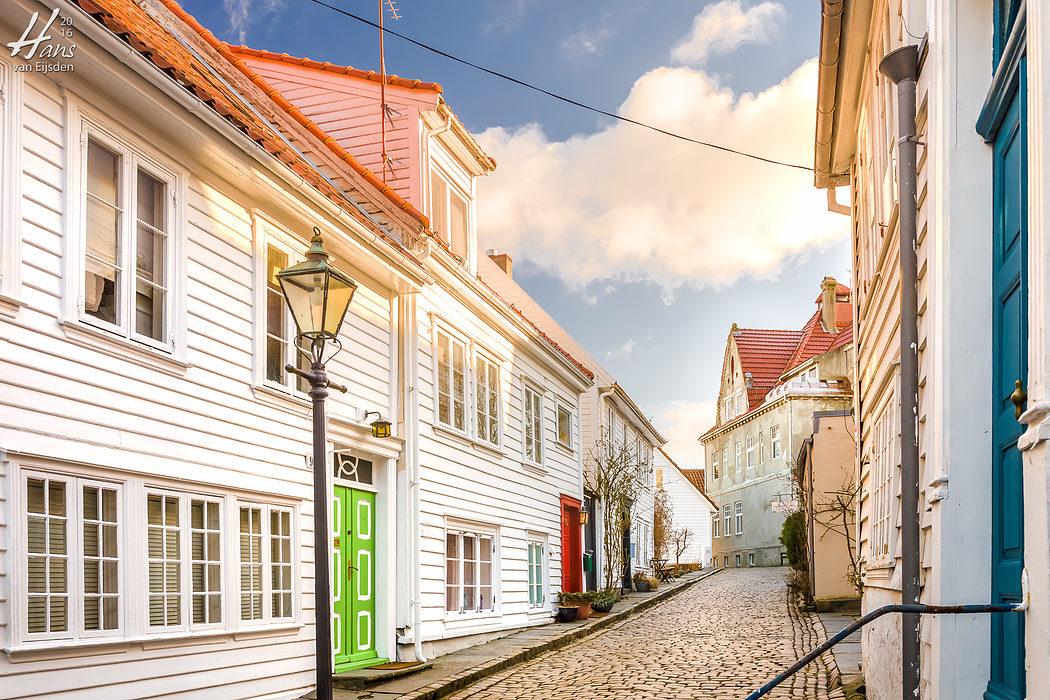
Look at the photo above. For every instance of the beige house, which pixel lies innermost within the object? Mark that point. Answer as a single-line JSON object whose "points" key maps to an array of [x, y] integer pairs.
{"points": [[827, 477], [773, 381]]}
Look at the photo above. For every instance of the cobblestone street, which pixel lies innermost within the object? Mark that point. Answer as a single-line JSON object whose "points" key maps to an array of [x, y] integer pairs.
{"points": [[722, 638]]}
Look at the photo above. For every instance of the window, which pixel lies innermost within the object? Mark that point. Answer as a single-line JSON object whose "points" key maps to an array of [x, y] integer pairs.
{"points": [[168, 527], [725, 562], [727, 525], [533, 424], [468, 572], [565, 426], [750, 559], [486, 383], [884, 461], [761, 447], [714, 465], [750, 443], [659, 478], [739, 517], [280, 328], [774, 441], [738, 460], [125, 259], [449, 214], [739, 403], [536, 575], [714, 524], [265, 545], [738, 561], [451, 389], [725, 459], [73, 558], [728, 408]]}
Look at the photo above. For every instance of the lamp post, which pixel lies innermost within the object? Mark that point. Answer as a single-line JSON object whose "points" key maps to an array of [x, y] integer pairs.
{"points": [[318, 296]]}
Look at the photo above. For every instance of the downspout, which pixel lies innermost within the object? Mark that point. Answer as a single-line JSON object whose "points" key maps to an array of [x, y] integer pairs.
{"points": [[830, 37], [902, 68], [808, 445]]}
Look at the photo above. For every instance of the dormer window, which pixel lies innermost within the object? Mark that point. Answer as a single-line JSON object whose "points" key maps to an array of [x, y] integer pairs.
{"points": [[449, 213]]}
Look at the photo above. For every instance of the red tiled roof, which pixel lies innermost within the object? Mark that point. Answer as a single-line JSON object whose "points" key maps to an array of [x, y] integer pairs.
{"points": [[341, 70], [764, 354], [138, 28], [696, 478]]}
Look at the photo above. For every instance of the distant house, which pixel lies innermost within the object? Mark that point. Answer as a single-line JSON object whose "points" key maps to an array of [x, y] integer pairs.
{"points": [[773, 381], [692, 509]]}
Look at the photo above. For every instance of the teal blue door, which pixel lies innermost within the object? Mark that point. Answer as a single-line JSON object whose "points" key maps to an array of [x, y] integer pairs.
{"points": [[1010, 362]]}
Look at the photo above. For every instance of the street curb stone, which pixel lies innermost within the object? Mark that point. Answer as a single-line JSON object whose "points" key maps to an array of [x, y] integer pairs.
{"points": [[461, 680]]}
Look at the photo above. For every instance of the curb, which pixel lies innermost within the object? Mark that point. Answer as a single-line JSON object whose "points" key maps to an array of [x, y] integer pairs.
{"points": [[449, 685]]}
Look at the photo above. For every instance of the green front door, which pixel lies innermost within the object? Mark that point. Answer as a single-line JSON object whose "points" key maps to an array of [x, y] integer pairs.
{"points": [[354, 579]]}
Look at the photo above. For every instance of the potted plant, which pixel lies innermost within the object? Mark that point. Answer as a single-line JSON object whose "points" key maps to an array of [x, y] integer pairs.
{"points": [[604, 601], [580, 599], [642, 583], [567, 613]]}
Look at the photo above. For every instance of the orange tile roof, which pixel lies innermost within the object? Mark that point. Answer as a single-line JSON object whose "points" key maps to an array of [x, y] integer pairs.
{"points": [[341, 70], [696, 477]]}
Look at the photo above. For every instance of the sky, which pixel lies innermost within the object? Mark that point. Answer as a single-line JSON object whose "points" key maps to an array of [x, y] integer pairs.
{"points": [[646, 248]]}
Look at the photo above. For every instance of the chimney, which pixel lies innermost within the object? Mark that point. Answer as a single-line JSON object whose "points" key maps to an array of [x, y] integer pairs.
{"points": [[501, 259], [828, 306]]}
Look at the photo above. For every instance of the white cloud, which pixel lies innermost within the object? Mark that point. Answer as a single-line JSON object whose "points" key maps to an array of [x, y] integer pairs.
{"points": [[624, 351], [682, 422], [584, 43], [243, 13], [724, 27], [626, 203]]}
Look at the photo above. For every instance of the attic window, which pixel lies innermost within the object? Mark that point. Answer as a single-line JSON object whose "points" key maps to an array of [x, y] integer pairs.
{"points": [[449, 213], [748, 381]]}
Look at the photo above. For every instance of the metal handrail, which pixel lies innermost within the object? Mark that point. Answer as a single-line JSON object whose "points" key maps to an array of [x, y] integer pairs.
{"points": [[874, 614]]}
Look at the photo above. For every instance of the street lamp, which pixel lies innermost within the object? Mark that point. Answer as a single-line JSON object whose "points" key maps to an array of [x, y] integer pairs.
{"points": [[318, 296]]}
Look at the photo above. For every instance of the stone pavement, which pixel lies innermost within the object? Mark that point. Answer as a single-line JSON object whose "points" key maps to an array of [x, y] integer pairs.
{"points": [[848, 655], [722, 638]]}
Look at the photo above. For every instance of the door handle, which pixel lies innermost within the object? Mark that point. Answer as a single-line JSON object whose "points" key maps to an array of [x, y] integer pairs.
{"points": [[349, 568], [1019, 397]]}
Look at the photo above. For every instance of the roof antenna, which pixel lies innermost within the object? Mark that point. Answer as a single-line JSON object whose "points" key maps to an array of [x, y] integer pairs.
{"points": [[390, 5]]}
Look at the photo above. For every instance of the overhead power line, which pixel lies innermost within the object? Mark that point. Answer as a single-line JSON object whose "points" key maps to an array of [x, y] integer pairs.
{"points": [[562, 98]]}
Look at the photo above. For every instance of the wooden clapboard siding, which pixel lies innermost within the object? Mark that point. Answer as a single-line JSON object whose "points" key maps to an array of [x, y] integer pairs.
{"points": [[465, 482], [71, 405], [347, 109]]}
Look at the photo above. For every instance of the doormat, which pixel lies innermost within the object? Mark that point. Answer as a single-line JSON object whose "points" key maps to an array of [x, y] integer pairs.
{"points": [[394, 665]]}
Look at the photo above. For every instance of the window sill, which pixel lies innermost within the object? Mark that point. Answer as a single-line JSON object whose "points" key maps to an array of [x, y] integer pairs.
{"points": [[123, 348], [540, 611], [471, 618], [41, 650], [281, 399], [536, 469], [9, 306], [440, 429], [567, 449]]}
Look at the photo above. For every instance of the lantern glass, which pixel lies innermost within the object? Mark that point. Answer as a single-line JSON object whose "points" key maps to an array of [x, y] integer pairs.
{"points": [[585, 517], [381, 428], [340, 292], [305, 293]]}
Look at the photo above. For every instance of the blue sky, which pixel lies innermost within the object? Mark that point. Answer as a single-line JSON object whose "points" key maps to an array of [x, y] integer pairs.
{"points": [[645, 248]]}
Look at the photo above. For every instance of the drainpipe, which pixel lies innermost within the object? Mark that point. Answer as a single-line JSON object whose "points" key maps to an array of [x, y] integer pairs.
{"points": [[810, 525], [410, 379], [902, 68]]}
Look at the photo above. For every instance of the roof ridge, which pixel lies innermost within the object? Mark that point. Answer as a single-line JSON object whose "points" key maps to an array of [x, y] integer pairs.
{"points": [[371, 75]]}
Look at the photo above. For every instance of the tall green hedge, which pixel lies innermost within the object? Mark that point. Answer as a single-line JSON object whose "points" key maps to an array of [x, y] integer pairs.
{"points": [[793, 537]]}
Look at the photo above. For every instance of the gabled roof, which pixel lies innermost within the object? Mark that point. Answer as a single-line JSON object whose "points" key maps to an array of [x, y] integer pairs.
{"points": [[816, 341], [341, 70], [695, 477], [764, 354]]}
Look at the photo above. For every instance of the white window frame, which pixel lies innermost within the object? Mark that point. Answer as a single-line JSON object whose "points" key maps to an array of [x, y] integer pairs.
{"points": [[750, 451], [74, 558], [10, 188], [135, 152], [725, 460], [477, 531], [527, 387], [570, 410], [715, 522], [476, 400], [739, 508], [133, 586], [884, 460], [534, 541], [659, 474], [234, 605], [727, 523], [714, 464], [443, 229], [267, 233], [441, 329], [750, 558], [739, 459], [774, 442], [738, 561]]}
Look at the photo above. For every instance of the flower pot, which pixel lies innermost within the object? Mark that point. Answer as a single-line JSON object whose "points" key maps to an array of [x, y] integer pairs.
{"points": [[602, 607], [642, 586], [568, 613], [584, 611]]}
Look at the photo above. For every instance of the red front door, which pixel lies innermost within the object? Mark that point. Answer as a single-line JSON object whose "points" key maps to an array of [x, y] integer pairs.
{"points": [[571, 556]]}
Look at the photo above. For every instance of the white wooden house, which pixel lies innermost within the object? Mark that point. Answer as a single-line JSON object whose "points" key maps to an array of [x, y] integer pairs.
{"points": [[156, 517], [691, 508], [608, 417]]}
